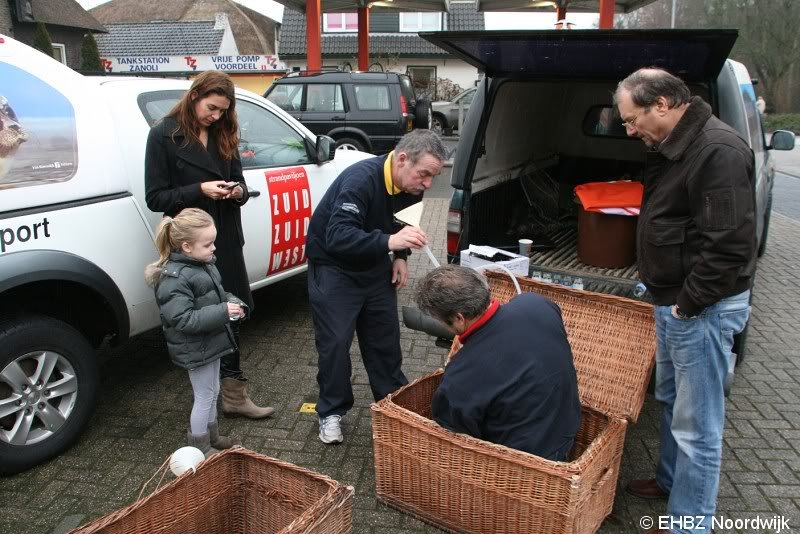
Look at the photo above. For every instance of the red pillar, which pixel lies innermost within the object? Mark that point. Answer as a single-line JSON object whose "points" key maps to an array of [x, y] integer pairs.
{"points": [[363, 38], [606, 14], [314, 34], [561, 13]]}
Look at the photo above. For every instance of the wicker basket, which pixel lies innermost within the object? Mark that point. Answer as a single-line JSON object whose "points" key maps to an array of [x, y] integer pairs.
{"points": [[463, 484], [237, 492]]}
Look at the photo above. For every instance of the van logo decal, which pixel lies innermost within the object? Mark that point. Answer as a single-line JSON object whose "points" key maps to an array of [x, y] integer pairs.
{"points": [[290, 202]]}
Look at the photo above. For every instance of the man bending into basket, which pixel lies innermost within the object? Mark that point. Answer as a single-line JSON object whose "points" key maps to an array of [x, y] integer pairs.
{"points": [[513, 381]]}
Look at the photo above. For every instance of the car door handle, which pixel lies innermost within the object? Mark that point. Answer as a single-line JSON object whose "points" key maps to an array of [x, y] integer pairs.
{"points": [[253, 193], [337, 118]]}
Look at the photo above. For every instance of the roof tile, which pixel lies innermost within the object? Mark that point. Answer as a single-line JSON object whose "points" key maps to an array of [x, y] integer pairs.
{"points": [[160, 39]]}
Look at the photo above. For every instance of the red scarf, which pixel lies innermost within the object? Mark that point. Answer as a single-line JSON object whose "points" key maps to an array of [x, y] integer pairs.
{"points": [[482, 320]]}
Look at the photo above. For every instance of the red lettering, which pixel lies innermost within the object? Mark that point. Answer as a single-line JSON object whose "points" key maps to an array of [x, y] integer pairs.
{"points": [[291, 215]]}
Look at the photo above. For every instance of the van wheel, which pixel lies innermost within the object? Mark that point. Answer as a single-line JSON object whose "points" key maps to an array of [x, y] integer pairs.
{"points": [[423, 114], [48, 384], [762, 246], [438, 124], [348, 143]]}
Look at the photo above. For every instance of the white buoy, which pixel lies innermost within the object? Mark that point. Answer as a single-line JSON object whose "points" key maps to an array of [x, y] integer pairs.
{"points": [[184, 459]]}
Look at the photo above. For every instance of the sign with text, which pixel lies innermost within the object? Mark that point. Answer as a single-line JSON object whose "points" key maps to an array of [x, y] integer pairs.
{"points": [[290, 202], [245, 63]]}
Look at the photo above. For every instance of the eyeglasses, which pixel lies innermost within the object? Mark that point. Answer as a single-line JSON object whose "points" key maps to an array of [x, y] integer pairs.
{"points": [[631, 123]]}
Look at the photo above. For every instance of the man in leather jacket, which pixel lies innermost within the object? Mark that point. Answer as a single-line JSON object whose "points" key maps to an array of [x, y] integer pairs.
{"points": [[696, 246]]}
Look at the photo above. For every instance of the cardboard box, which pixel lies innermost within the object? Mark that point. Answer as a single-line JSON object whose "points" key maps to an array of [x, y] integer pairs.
{"points": [[475, 256]]}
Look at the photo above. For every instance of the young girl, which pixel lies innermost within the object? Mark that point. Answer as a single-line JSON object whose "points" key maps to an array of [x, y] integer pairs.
{"points": [[195, 314]]}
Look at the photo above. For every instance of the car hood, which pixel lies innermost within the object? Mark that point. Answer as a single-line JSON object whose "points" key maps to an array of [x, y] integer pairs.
{"points": [[345, 158]]}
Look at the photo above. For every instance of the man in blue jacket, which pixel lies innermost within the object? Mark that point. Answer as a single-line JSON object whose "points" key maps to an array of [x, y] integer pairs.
{"points": [[352, 279], [513, 381]]}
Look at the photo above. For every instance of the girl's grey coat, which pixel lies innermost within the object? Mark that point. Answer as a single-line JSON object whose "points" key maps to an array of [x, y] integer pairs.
{"points": [[194, 311]]}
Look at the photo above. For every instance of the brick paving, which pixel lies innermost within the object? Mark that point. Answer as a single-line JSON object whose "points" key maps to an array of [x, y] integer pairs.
{"points": [[144, 404]]}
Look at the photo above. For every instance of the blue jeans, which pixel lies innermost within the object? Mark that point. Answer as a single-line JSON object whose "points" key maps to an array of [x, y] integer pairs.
{"points": [[692, 360]]}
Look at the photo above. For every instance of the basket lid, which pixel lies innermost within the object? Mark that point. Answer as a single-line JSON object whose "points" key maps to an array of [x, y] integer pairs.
{"points": [[612, 338]]}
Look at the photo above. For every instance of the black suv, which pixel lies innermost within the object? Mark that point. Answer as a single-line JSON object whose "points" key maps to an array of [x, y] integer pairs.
{"points": [[368, 111]]}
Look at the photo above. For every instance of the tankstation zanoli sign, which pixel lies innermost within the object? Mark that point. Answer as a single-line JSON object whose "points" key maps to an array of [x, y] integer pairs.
{"points": [[247, 63]]}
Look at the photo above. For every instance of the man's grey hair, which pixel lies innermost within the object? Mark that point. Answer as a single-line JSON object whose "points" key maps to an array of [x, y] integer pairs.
{"points": [[452, 289], [648, 84], [417, 143]]}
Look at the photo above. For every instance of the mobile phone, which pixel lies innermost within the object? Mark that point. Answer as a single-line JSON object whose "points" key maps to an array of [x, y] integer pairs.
{"points": [[229, 187]]}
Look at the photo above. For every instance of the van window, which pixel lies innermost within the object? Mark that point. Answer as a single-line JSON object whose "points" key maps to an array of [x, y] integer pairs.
{"points": [[372, 97], [38, 141], [266, 140], [603, 121], [753, 118]]}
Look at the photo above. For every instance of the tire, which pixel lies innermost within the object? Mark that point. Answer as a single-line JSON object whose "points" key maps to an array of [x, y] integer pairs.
{"points": [[423, 114], [31, 343], [349, 143], [438, 124], [762, 246]]}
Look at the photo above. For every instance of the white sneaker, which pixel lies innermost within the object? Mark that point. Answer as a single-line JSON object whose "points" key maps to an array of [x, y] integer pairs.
{"points": [[330, 429]]}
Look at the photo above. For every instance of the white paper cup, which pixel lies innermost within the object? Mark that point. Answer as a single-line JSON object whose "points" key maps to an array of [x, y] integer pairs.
{"points": [[525, 247]]}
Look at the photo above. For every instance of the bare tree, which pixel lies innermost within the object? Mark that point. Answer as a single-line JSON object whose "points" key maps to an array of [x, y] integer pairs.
{"points": [[768, 43]]}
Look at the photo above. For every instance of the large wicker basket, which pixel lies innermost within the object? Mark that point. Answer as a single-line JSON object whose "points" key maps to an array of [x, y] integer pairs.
{"points": [[237, 492], [463, 484]]}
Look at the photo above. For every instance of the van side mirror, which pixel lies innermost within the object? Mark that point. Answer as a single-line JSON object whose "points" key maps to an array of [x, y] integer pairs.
{"points": [[325, 148], [782, 140]]}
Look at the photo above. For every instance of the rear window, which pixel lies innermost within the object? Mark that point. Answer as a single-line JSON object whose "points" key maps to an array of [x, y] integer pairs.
{"points": [[407, 88], [603, 121], [372, 97]]}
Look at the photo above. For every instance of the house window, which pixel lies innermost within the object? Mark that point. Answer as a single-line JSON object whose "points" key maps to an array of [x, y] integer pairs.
{"points": [[60, 53], [420, 22], [340, 22], [423, 80]]}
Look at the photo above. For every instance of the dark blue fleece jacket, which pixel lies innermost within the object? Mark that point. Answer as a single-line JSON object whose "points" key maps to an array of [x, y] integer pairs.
{"points": [[513, 382], [350, 227]]}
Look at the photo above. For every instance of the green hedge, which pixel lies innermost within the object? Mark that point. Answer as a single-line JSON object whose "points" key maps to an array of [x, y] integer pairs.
{"points": [[784, 121]]}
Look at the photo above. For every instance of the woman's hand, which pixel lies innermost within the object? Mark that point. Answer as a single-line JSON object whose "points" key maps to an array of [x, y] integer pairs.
{"points": [[235, 192], [215, 189]]}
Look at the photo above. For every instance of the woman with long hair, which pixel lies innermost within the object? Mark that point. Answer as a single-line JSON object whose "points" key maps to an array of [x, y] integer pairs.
{"points": [[192, 161]]}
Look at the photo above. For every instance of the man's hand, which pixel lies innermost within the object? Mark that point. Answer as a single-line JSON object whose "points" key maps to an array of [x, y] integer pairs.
{"points": [[399, 273], [408, 237]]}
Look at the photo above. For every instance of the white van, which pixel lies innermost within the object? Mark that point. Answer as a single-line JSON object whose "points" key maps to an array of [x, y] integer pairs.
{"points": [[542, 121], [75, 232]]}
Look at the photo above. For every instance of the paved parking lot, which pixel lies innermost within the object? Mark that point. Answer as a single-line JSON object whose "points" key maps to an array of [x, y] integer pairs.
{"points": [[144, 404]]}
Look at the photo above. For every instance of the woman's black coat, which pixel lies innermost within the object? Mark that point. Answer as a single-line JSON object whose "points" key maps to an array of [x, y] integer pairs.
{"points": [[172, 177]]}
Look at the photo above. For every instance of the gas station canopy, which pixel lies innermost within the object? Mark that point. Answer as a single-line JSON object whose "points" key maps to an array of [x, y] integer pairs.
{"points": [[574, 6], [333, 6]]}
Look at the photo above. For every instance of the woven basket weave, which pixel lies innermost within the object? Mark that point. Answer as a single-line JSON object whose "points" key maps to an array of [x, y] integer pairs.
{"points": [[237, 492], [463, 484]]}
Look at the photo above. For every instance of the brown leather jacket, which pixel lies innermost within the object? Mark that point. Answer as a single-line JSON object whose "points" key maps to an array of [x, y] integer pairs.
{"points": [[696, 236]]}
